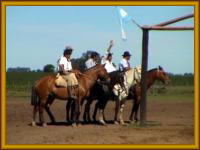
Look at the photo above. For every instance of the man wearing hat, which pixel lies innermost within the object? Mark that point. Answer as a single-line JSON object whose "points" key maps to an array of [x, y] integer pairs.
{"points": [[124, 64], [65, 70], [107, 59], [92, 61]]}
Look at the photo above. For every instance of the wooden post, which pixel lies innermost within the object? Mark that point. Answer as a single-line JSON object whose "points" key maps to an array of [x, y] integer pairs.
{"points": [[143, 106], [145, 39]]}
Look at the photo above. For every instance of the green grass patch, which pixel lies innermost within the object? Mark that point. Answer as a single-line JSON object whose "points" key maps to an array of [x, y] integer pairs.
{"points": [[172, 93], [14, 93], [19, 84], [146, 124]]}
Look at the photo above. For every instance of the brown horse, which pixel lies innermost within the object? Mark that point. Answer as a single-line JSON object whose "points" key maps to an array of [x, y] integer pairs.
{"points": [[135, 91], [44, 92]]}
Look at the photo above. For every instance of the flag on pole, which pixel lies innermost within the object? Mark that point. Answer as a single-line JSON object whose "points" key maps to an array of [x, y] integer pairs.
{"points": [[124, 18]]}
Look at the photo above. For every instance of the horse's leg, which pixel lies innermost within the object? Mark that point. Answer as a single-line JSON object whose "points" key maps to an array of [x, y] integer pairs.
{"points": [[73, 110], [86, 111], [68, 105], [47, 108], [132, 110], [136, 111], [35, 109], [95, 111], [101, 121], [104, 118], [117, 107], [79, 108], [103, 106], [76, 112], [137, 104], [121, 112], [73, 113], [41, 110]]}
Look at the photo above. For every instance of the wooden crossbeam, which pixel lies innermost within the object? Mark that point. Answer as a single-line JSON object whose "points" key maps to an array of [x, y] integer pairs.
{"points": [[175, 20], [168, 28]]}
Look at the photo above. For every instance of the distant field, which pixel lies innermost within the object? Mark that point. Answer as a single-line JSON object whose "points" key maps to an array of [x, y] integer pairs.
{"points": [[18, 84], [172, 93]]}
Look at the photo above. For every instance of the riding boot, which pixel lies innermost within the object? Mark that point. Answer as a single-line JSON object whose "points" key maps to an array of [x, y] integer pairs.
{"points": [[71, 92]]}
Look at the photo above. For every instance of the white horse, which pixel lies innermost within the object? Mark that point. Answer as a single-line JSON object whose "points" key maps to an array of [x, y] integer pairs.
{"points": [[131, 77]]}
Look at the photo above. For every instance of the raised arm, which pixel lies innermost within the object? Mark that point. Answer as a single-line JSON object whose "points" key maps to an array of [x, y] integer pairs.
{"points": [[110, 46], [107, 52]]}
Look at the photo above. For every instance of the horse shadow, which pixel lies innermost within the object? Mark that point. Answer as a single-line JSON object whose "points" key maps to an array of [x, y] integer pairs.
{"points": [[65, 123]]}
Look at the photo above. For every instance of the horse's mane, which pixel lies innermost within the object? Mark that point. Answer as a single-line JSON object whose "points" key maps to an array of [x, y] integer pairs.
{"points": [[114, 74], [154, 69], [129, 72]]}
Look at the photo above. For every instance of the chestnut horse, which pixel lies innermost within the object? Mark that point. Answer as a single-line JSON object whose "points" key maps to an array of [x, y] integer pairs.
{"points": [[44, 92], [135, 91]]}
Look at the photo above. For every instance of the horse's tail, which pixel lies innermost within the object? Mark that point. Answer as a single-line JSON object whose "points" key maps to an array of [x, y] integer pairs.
{"points": [[34, 97]]}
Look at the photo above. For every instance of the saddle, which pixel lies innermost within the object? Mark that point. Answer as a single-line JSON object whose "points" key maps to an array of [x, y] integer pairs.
{"points": [[60, 82]]}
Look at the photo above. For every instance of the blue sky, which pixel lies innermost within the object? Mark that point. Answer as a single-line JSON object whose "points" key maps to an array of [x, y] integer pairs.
{"points": [[36, 35]]}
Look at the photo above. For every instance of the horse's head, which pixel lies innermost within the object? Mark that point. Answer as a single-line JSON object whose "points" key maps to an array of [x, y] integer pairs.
{"points": [[102, 73], [162, 75]]}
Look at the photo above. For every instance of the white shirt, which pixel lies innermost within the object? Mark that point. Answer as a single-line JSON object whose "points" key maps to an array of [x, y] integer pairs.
{"points": [[90, 63], [58, 63], [109, 66], [123, 64], [104, 58], [67, 64]]}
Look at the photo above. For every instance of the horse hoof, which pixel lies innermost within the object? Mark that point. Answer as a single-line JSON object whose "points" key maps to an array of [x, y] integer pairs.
{"points": [[74, 125], [85, 121], [44, 125], [102, 122], [122, 123], [116, 122], [33, 124]]}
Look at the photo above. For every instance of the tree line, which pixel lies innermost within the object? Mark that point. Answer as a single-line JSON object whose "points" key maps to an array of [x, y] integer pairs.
{"points": [[79, 63]]}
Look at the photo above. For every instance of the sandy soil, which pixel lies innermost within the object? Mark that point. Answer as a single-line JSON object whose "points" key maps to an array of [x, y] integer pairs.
{"points": [[176, 125]]}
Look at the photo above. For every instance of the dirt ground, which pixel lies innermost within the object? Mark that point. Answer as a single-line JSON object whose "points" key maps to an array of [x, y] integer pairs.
{"points": [[176, 125]]}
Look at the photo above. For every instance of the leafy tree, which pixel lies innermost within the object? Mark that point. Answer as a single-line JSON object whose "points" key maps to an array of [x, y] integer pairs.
{"points": [[19, 69], [49, 68], [79, 63]]}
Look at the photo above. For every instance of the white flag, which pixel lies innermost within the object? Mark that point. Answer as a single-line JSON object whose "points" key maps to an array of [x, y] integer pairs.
{"points": [[124, 18]]}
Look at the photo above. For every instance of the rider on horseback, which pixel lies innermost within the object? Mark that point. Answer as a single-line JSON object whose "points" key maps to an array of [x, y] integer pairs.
{"points": [[124, 64], [92, 61], [65, 70], [107, 59]]}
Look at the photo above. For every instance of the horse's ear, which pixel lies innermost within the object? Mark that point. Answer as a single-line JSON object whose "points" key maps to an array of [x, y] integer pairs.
{"points": [[160, 68]]}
